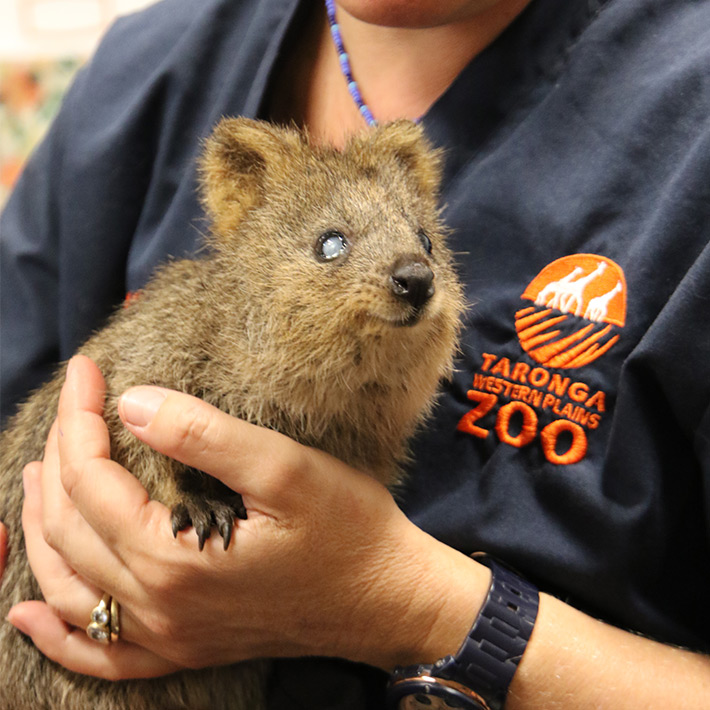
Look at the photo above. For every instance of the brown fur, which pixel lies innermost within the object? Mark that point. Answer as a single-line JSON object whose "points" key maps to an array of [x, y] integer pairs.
{"points": [[264, 330]]}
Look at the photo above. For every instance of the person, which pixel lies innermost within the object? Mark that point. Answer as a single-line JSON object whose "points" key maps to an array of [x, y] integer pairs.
{"points": [[573, 442]]}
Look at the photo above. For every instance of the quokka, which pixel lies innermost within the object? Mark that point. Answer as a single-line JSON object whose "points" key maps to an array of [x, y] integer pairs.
{"points": [[326, 307]]}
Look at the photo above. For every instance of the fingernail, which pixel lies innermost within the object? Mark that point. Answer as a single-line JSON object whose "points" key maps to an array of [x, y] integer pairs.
{"points": [[69, 374], [138, 405], [30, 478], [17, 623]]}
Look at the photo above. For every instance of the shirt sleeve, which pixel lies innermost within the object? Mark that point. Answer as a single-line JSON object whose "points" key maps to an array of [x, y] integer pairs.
{"points": [[69, 225], [29, 233]]}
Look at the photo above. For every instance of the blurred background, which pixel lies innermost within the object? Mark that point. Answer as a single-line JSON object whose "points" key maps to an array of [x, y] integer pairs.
{"points": [[42, 44]]}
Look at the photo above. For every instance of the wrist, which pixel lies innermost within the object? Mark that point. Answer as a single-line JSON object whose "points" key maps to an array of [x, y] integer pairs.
{"points": [[479, 675], [461, 587], [433, 596]]}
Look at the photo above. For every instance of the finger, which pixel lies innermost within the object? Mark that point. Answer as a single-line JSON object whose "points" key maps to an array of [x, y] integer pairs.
{"points": [[250, 459], [84, 443], [75, 544], [57, 514], [112, 503], [69, 595], [81, 403], [54, 498], [73, 649]]}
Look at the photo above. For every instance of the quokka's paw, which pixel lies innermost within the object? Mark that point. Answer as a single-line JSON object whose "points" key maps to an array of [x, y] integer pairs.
{"points": [[205, 513]]}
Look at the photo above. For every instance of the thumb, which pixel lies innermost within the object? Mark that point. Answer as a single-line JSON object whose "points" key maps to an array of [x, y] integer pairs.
{"points": [[245, 457]]}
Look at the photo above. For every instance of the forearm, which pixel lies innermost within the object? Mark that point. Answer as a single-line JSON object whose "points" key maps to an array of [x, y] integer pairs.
{"points": [[575, 661], [572, 661]]}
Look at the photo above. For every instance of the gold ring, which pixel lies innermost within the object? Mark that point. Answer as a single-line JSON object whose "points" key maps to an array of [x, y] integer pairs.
{"points": [[113, 621], [99, 628]]}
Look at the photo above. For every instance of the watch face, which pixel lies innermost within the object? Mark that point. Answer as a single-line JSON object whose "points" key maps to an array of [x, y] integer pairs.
{"points": [[422, 701], [426, 693]]}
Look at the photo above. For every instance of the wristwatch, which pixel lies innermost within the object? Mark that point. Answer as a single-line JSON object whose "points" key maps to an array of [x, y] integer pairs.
{"points": [[478, 676]]}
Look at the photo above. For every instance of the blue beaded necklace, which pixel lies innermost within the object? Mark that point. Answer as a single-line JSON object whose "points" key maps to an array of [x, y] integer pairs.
{"points": [[345, 65]]}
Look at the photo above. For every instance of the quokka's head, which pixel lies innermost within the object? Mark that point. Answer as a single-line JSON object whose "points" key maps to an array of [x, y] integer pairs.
{"points": [[333, 243]]}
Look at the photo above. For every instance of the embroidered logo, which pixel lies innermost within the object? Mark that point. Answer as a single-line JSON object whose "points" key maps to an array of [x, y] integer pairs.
{"points": [[577, 312], [585, 289]]}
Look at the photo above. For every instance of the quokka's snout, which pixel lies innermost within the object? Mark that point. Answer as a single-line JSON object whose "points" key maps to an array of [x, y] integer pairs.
{"points": [[412, 281]]}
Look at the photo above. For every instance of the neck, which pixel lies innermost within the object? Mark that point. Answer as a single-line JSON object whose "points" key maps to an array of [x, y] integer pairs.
{"points": [[401, 71]]}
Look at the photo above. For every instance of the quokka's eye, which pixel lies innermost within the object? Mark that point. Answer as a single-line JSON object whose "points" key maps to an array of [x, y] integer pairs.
{"points": [[426, 242], [331, 245]]}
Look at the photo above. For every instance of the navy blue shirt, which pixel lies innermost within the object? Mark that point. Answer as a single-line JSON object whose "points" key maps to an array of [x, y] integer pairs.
{"points": [[574, 439]]}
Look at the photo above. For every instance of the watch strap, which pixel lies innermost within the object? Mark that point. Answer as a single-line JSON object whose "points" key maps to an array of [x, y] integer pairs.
{"points": [[489, 657], [479, 675]]}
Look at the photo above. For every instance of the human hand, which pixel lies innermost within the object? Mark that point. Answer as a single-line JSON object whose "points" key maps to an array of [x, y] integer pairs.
{"points": [[49, 623], [325, 564]]}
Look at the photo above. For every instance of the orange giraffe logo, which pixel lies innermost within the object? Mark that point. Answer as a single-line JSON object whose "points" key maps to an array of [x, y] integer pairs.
{"points": [[581, 293]]}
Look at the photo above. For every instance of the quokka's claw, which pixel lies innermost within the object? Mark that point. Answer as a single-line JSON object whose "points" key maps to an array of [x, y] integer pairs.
{"points": [[180, 518], [203, 514]]}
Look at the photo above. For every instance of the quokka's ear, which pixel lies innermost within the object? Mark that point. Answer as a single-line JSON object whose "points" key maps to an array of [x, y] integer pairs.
{"points": [[406, 142], [234, 168]]}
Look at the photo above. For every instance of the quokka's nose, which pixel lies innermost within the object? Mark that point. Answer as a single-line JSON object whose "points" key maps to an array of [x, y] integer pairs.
{"points": [[412, 281]]}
